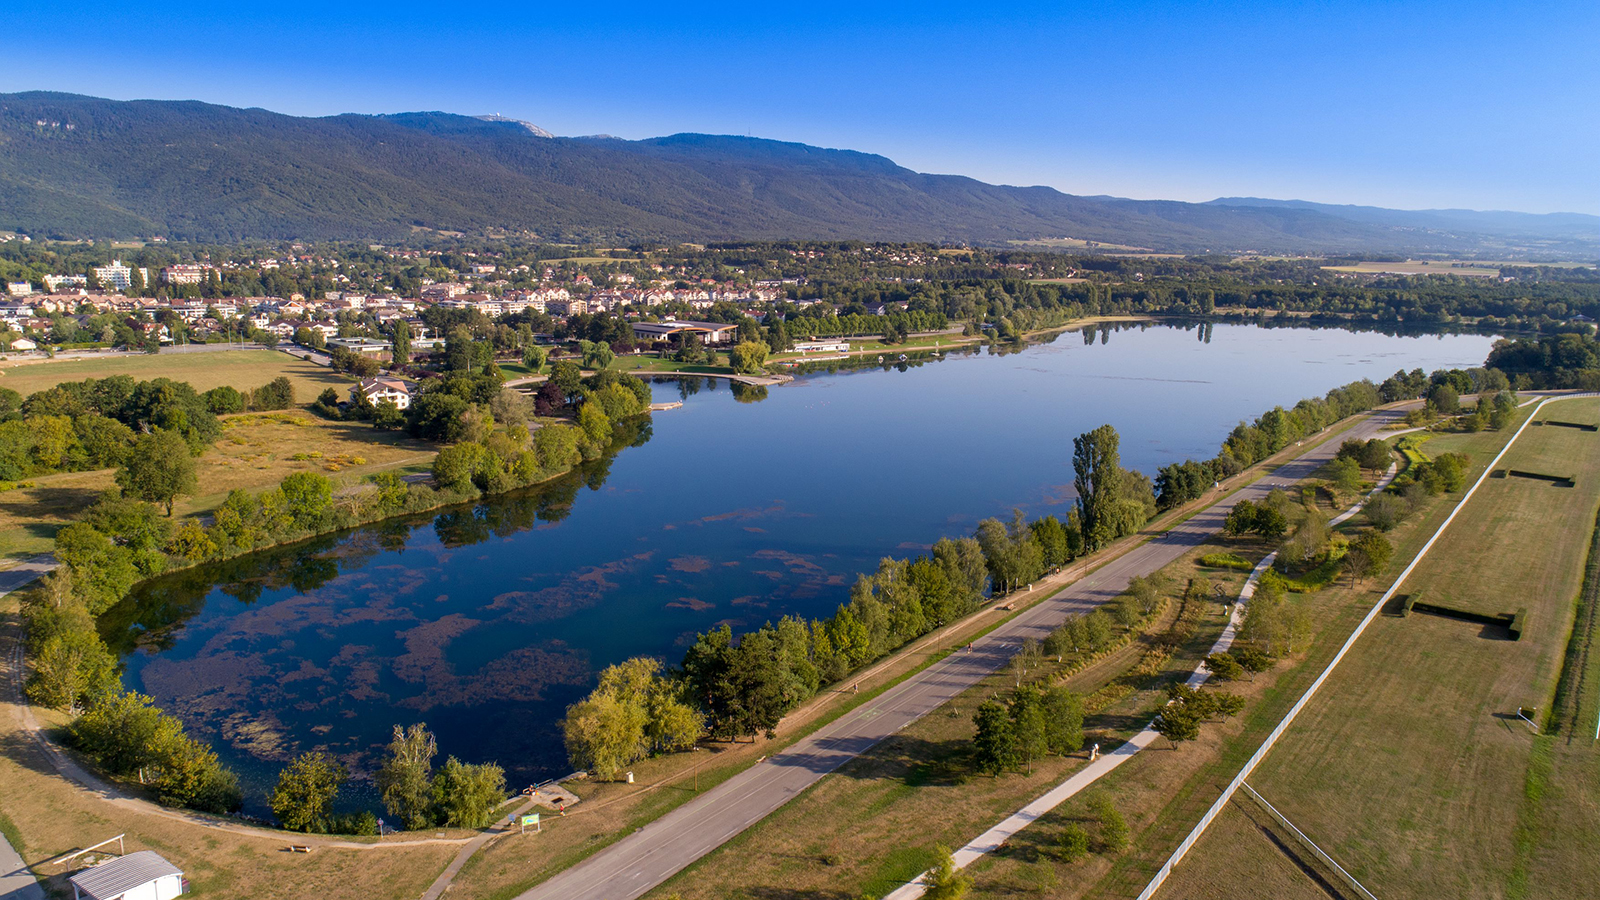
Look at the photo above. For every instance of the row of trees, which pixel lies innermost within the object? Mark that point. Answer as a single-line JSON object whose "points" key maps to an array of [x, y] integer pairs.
{"points": [[457, 795], [743, 687]]}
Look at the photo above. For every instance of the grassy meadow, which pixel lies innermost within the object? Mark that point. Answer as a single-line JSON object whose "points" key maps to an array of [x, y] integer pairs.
{"points": [[242, 369], [1411, 767]]}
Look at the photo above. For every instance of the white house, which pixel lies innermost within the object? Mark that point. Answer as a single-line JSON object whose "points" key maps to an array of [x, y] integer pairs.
{"points": [[24, 344], [144, 875], [382, 388]]}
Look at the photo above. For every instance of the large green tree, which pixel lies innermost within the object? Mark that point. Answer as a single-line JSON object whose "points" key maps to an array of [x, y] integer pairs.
{"points": [[400, 349], [1097, 465], [159, 469], [405, 780], [306, 789]]}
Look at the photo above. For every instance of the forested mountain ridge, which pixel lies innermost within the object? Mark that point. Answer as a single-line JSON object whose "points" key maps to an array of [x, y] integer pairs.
{"points": [[74, 166]]}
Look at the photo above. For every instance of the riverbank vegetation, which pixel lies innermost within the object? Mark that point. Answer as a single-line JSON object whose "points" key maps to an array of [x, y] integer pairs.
{"points": [[122, 540]]}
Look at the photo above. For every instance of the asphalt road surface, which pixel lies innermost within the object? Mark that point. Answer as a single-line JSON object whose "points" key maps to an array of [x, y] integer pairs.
{"points": [[639, 862]]}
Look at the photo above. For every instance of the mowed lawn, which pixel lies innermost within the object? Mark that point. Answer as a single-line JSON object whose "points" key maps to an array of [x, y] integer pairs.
{"points": [[241, 369], [1410, 766]]}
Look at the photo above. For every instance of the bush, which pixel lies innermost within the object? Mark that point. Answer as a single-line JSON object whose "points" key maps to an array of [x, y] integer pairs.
{"points": [[224, 400], [127, 735], [1385, 511], [1223, 666], [1226, 561], [1074, 843], [1113, 827], [276, 394]]}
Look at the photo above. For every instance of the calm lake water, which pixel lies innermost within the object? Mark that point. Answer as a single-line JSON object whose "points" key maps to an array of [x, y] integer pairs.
{"points": [[486, 622]]}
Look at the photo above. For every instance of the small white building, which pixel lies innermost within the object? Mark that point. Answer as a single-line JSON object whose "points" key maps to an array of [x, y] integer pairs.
{"points": [[24, 344], [360, 345], [838, 345], [144, 875], [382, 388]]}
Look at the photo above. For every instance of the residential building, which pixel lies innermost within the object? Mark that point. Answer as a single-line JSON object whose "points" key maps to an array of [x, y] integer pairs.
{"points": [[118, 276], [185, 273], [384, 387], [19, 288]]}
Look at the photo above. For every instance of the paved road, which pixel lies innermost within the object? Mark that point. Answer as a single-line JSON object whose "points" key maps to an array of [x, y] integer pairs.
{"points": [[639, 862]]}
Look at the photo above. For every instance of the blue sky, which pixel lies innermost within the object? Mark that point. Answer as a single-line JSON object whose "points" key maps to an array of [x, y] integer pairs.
{"points": [[1471, 104]]}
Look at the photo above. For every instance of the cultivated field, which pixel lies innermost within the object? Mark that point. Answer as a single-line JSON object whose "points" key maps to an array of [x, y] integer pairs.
{"points": [[1411, 767], [1421, 267], [242, 369]]}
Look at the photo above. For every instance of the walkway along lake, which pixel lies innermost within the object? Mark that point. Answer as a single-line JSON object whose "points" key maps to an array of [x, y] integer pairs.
{"points": [[487, 621]]}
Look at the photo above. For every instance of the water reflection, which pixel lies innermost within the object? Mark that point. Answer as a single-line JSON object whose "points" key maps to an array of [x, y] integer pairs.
{"points": [[486, 620]]}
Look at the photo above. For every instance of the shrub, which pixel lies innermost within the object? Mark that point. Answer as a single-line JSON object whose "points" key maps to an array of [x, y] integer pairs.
{"points": [[1223, 666], [1226, 561], [1074, 843]]}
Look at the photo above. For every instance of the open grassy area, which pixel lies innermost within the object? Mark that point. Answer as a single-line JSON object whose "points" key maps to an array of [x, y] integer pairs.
{"points": [[1421, 267], [242, 369], [1410, 767], [255, 452]]}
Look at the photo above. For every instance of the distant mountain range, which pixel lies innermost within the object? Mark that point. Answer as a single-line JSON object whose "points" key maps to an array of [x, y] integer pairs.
{"points": [[74, 166]]}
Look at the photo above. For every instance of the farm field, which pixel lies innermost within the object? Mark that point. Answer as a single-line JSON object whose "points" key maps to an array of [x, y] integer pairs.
{"points": [[241, 369], [1411, 767], [1421, 267]]}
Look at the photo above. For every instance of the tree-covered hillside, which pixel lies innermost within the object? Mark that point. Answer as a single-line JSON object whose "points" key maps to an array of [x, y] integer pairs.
{"points": [[73, 166]]}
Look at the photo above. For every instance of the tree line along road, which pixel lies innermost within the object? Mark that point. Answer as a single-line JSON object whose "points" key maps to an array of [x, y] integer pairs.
{"points": [[646, 858]]}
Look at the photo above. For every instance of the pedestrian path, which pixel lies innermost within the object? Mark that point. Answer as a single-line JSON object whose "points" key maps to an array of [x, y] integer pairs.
{"points": [[16, 881], [991, 840]]}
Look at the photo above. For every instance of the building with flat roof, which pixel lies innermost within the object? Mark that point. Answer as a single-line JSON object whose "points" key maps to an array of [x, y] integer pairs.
{"points": [[362, 345], [709, 332], [836, 345], [144, 875]]}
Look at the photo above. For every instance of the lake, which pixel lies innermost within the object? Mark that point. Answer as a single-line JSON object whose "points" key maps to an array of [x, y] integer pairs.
{"points": [[487, 621]]}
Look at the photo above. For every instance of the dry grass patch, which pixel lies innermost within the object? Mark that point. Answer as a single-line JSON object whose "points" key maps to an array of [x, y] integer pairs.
{"points": [[258, 450], [255, 452], [241, 369]]}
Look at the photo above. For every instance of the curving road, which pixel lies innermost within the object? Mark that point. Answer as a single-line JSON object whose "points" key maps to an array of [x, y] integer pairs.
{"points": [[639, 862]]}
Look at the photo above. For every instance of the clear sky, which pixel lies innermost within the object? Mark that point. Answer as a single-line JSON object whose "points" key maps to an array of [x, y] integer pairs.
{"points": [[1486, 105]]}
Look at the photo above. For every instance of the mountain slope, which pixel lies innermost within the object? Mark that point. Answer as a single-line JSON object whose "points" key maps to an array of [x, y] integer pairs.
{"points": [[81, 166]]}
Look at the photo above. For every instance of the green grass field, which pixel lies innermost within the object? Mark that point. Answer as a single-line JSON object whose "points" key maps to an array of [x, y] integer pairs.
{"points": [[242, 369], [1410, 767], [1420, 267]]}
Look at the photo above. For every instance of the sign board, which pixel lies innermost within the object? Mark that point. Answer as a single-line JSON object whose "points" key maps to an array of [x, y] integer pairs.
{"points": [[530, 819]]}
